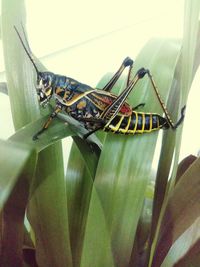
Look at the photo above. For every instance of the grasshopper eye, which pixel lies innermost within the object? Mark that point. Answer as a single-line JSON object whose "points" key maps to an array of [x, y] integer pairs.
{"points": [[45, 82]]}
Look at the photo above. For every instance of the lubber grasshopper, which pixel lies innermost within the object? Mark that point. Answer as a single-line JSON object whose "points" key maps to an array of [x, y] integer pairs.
{"points": [[99, 109]]}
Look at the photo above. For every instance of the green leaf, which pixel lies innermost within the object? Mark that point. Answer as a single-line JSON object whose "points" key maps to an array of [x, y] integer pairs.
{"points": [[81, 170], [191, 42], [47, 211], [56, 132], [17, 164], [15, 155], [189, 62], [184, 74], [79, 182], [139, 255], [23, 99], [48, 193], [97, 250], [125, 167], [166, 157], [90, 149], [47, 179]]}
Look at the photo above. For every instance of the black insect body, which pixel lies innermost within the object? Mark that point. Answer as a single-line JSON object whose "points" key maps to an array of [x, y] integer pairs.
{"points": [[100, 109]]}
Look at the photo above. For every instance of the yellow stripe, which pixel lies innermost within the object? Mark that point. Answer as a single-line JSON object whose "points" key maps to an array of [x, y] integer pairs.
{"points": [[116, 127], [127, 126], [150, 123], [143, 123], [78, 97], [157, 122], [136, 122]]}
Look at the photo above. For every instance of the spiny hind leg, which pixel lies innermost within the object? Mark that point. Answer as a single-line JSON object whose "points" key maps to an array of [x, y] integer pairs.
{"points": [[111, 111], [164, 108], [142, 72]]}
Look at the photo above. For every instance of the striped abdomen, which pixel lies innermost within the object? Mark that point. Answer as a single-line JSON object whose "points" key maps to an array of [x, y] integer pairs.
{"points": [[137, 122]]}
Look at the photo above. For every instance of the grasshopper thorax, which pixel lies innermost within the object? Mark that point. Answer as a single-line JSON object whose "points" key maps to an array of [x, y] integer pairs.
{"points": [[45, 82]]}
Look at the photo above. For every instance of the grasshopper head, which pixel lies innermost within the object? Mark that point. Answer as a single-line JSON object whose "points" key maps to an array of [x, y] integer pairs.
{"points": [[44, 87], [44, 79]]}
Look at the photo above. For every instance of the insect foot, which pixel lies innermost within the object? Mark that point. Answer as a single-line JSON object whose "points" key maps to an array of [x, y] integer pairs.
{"points": [[141, 72], [128, 62], [35, 137], [181, 118]]}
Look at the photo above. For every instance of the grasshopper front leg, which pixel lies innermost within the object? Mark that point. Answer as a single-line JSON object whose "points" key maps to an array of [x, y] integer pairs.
{"points": [[46, 125]]}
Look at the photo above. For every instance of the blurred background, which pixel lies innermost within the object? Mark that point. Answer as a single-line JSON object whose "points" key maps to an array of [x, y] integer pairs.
{"points": [[86, 39]]}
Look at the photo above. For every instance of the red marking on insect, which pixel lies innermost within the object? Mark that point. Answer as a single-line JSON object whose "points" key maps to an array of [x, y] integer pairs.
{"points": [[125, 109]]}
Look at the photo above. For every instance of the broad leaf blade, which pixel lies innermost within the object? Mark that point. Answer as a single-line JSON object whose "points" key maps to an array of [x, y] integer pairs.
{"points": [[15, 155], [190, 44], [189, 63], [47, 211], [79, 182], [125, 165], [166, 155], [80, 175], [185, 73], [182, 210], [20, 78], [17, 164], [56, 132]]}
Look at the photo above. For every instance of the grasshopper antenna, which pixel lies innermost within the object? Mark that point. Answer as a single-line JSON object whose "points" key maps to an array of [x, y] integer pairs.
{"points": [[26, 39], [26, 50]]}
